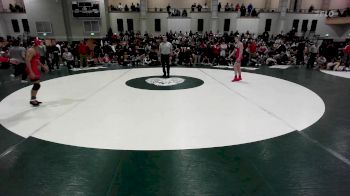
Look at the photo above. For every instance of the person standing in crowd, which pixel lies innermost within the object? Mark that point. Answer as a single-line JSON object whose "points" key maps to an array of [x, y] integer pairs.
{"points": [[193, 7], [55, 56], [346, 51], [120, 7], [17, 57], [243, 10], [252, 50], [266, 36], [83, 51], [250, 9], [98, 53], [165, 49], [168, 9], [219, 7], [68, 58], [312, 57], [199, 7], [331, 51], [42, 51], [32, 62], [300, 53], [223, 48], [215, 53], [238, 7], [132, 7], [239, 57]]}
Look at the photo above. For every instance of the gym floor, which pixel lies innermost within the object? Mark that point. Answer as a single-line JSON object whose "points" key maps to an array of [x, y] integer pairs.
{"points": [[114, 131]]}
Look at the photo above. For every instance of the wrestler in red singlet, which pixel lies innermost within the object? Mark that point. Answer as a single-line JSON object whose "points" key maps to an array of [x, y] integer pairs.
{"points": [[34, 66], [32, 61], [239, 57]]}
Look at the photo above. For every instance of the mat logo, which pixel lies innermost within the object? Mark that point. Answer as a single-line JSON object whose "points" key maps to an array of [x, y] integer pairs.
{"points": [[165, 81]]}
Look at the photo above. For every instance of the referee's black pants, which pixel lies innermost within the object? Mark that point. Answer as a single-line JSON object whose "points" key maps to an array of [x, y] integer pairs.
{"points": [[311, 62], [165, 60]]}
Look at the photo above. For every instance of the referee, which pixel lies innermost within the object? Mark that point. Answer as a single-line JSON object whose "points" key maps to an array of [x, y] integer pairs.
{"points": [[165, 49]]}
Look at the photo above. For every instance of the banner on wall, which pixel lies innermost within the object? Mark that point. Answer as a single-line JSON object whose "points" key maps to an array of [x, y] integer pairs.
{"points": [[86, 9]]}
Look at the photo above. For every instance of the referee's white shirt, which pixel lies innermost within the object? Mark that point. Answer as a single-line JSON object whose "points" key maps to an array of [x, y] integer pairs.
{"points": [[165, 48]]}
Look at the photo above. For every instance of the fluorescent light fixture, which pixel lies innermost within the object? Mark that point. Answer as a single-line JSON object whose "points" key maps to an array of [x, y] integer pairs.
{"points": [[44, 34], [92, 34], [327, 35]]}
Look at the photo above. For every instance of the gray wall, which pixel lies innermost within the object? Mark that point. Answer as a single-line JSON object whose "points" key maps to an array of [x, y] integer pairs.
{"points": [[151, 24], [194, 21], [227, 15], [46, 10], [77, 28], [3, 28], [338, 32], [6, 26], [135, 16]]}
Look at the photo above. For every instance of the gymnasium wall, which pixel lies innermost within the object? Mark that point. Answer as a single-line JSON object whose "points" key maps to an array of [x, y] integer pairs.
{"points": [[338, 32], [7, 24], [1, 6], [48, 11], [123, 2], [194, 21], [125, 16], [77, 27], [339, 4], [275, 4], [151, 24], [307, 3], [6, 3], [3, 28], [233, 21], [274, 22]]}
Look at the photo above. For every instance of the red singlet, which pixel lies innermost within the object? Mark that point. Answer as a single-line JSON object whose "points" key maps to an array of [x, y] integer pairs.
{"points": [[237, 53], [34, 66]]}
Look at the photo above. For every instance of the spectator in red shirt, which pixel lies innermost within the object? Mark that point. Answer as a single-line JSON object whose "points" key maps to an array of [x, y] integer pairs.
{"points": [[252, 50], [238, 7], [4, 59], [346, 51], [252, 47], [83, 51], [216, 53]]}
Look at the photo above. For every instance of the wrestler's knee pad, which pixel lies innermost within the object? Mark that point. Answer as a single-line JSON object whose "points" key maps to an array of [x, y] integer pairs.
{"points": [[36, 86]]}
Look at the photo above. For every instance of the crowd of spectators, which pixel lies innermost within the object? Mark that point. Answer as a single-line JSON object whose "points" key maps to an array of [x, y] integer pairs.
{"points": [[16, 8], [198, 7], [244, 11], [346, 13], [134, 49], [125, 8], [176, 13], [249, 10]]}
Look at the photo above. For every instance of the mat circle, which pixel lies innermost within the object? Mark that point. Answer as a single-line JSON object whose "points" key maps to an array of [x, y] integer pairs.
{"points": [[159, 83]]}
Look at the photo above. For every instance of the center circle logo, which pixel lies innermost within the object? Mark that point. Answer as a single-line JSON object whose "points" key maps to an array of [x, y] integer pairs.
{"points": [[165, 81], [158, 83]]}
